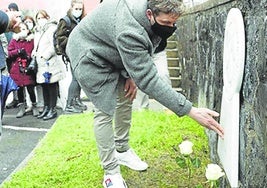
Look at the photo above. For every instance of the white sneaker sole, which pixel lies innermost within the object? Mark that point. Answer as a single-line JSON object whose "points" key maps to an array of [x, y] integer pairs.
{"points": [[145, 166]]}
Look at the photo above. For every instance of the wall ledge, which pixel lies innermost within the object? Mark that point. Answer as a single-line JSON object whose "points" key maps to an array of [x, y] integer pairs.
{"points": [[206, 6]]}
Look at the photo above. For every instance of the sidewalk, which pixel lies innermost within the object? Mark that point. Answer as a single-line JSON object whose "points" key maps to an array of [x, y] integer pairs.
{"points": [[19, 138]]}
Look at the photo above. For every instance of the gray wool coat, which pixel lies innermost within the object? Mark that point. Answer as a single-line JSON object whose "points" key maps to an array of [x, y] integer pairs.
{"points": [[116, 39]]}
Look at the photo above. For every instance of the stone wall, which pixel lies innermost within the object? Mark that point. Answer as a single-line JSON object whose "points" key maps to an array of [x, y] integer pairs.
{"points": [[200, 36]]}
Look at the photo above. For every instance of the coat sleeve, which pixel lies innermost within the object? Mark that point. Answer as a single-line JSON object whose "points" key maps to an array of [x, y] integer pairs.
{"points": [[62, 34], [134, 51], [12, 49], [3, 22]]}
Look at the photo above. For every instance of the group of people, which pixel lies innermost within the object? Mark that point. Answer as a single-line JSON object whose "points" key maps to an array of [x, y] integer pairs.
{"points": [[35, 42], [111, 54]]}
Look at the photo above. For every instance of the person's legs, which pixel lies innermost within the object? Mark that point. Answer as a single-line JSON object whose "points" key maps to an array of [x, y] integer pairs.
{"points": [[77, 99], [30, 89], [106, 148], [123, 116], [53, 94], [45, 91], [105, 141], [28, 102], [32, 96], [73, 93], [21, 99], [122, 120], [39, 95]]}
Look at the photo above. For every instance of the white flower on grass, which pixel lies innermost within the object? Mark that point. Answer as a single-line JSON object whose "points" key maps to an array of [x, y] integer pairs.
{"points": [[214, 172], [186, 147]]}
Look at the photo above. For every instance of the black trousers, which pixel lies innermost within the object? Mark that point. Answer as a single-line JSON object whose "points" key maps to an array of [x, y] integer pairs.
{"points": [[50, 94], [21, 93], [74, 89]]}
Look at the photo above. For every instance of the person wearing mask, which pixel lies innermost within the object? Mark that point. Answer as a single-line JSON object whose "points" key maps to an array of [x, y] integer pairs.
{"points": [[19, 50], [9, 21], [38, 90], [75, 14], [50, 69], [29, 21], [111, 53]]}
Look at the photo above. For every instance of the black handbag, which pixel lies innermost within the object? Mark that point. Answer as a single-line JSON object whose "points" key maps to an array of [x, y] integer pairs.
{"points": [[32, 67]]}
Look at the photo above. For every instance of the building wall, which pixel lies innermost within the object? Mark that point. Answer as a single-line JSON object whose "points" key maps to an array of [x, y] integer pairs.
{"points": [[56, 9], [200, 36]]}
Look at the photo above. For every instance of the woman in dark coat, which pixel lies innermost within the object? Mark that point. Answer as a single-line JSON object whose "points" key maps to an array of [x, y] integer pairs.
{"points": [[74, 14], [19, 50]]}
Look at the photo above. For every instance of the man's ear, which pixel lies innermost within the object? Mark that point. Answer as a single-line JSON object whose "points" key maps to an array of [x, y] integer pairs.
{"points": [[149, 14]]}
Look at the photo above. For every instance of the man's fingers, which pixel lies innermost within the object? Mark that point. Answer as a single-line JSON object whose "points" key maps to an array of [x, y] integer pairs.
{"points": [[214, 125], [212, 113], [131, 93], [219, 131]]}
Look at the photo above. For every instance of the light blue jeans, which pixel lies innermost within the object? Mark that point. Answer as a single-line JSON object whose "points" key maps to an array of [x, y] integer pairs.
{"points": [[110, 138]]}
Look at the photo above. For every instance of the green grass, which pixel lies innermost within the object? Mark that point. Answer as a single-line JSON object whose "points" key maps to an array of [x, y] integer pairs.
{"points": [[67, 156]]}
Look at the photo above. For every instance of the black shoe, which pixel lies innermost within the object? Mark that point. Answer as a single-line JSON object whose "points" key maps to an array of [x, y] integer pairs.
{"points": [[72, 109], [44, 113], [13, 104], [51, 114], [78, 103]]}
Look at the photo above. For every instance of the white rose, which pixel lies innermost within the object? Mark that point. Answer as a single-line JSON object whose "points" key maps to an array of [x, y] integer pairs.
{"points": [[214, 172], [186, 147]]}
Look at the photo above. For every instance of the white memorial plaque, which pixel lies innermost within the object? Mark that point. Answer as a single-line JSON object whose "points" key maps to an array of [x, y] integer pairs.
{"points": [[233, 68]]}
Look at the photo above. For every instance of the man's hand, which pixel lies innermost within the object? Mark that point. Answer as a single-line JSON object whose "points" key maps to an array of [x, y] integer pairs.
{"points": [[204, 117], [130, 89], [14, 21]]}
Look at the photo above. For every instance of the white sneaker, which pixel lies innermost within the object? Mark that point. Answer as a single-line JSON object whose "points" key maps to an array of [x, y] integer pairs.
{"points": [[131, 160], [114, 181]]}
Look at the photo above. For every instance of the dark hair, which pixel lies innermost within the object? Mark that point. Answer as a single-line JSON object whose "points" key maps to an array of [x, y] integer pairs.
{"points": [[13, 6], [174, 7], [23, 23]]}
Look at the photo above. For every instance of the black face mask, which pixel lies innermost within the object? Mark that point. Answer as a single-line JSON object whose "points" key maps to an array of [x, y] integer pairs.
{"points": [[162, 30]]}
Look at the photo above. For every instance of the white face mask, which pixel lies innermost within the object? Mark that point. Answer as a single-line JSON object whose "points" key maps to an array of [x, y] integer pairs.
{"points": [[23, 34], [42, 22], [77, 13], [30, 26]]}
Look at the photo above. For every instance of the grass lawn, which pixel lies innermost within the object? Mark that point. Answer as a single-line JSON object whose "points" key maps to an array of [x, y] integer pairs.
{"points": [[67, 156]]}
